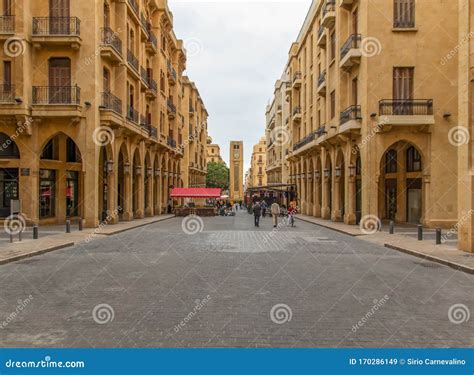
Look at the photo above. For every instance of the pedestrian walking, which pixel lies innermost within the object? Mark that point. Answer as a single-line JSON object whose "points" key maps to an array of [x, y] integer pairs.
{"points": [[264, 208], [275, 209], [257, 212]]}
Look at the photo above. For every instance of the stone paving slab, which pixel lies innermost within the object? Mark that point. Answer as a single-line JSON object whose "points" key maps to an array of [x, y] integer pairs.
{"points": [[12, 252], [443, 254]]}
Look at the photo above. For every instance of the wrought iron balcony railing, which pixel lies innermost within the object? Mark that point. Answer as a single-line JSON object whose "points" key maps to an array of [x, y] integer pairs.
{"points": [[154, 132], [152, 39], [7, 93], [61, 95], [7, 24], [352, 42], [111, 39], [320, 131], [111, 102], [134, 6], [322, 78], [297, 111], [329, 6], [321, 31], [171, 106], [296, 76], [56, 26], [406, 107], [132, 60], [172, 71], [351, 113], [132, 114], [306, 140], [171, 142]]}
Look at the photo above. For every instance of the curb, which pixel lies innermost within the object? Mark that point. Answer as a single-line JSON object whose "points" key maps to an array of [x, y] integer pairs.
{"points": [[456, 266], [331, 228], [35, 253], [118, 231]]}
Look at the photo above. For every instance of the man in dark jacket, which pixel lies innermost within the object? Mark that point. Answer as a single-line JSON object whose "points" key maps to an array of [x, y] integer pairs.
{"points": [[257, 212]]}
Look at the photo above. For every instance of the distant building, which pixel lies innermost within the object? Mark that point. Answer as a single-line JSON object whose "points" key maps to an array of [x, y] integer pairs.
{"points": [[236, 161], [213, 152], [257, 175]]}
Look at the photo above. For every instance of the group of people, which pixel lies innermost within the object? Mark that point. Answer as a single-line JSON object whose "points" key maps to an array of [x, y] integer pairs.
{"points": [[260, 210]]}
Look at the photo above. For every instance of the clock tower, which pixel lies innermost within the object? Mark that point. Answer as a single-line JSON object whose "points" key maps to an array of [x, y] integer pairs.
{"points": [[236, 188]]}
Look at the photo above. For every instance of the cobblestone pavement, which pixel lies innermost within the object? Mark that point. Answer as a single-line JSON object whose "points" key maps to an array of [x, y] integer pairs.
{"points": [[233, 285]]}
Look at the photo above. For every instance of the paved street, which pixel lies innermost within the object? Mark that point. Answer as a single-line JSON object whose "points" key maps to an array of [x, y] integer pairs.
{"points": [[233, 285]]}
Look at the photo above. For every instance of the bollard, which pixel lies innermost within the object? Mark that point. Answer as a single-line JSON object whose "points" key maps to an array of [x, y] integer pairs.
{"points": [[35, 232], [68, 226], [11, 238], [420, 232], [392, 227], [438, 236], [81, 224]]}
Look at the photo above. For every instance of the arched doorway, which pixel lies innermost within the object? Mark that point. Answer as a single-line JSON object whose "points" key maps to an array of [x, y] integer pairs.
{"points": [[105, 169], [148, 184], [318, 177], [401, 184], [310, 188], [156, 184], [137, 171], [340, 185], [60, 179], [327, 195], [123, 171], [9, 176]]}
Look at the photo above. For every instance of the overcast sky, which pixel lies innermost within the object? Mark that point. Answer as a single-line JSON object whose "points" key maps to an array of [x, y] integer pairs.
{"points": [[236, 52]]}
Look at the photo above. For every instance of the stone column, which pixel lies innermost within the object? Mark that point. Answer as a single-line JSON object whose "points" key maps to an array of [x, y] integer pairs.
{"points": [[350, 215]]}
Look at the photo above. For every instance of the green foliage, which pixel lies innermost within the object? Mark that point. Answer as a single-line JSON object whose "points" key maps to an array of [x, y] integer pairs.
{"points": [[217, 176]]}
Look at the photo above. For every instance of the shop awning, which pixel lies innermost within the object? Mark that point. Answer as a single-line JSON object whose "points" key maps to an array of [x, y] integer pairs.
{"points": [[196, 193]]}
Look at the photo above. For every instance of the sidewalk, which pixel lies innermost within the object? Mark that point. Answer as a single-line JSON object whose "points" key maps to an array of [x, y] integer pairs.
{"points": [[445, 254], [11, 252]]}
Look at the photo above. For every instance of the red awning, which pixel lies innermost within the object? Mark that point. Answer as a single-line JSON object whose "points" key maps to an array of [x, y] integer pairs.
{"points": [[196, 193]]}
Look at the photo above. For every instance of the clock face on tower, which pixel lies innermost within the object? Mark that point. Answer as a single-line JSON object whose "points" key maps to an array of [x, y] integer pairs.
{"points": [[236, 154]]}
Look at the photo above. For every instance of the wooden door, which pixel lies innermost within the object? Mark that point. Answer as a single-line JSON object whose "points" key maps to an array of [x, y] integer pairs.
{"points": [[59, 13], [60, 81], [403, 90]]}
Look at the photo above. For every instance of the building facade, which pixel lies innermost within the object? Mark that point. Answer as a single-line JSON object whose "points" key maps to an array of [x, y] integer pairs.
{"points": [[214, 152], [466, 125], [257, 175], [371, 110], [277, 136], [92, 110], [236, 173]]}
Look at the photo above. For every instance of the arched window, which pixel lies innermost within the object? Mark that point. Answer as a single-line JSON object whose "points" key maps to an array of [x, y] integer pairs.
{"points": [[50, 151], [8, 148], [358, 167], [391, 161], [413, 160]]}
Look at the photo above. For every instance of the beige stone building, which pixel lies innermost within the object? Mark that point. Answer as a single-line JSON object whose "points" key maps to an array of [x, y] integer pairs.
{"points": [[95, 110], [465, 50], [257, 175], [372, 101], [236, 173], [214, 152], [277, 136]]}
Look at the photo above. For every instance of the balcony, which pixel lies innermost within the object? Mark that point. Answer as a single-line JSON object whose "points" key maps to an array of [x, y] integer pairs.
{"points": [[133, 64], [322, 37], [322, 84], [288, 88], [191, 111], [133, 10], [171, 110], [329, 14], [151, 44], [57, 101], [406, 112], [152, 91], [297, 79], [132, 115], [350, 119], [154, 132], [110, 109], [56, 31], [7, 26], [306, 140], [351, 52], [171, 142], [297, 114], [111, 45], [172, 76], [144, 78], [7, 94]]}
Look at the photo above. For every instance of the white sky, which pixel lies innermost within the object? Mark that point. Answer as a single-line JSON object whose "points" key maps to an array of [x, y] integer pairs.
{"points": [[236, 52]]}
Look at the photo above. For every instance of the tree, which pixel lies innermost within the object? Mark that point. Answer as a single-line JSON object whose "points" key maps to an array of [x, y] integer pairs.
{"points": [[217, 176]]}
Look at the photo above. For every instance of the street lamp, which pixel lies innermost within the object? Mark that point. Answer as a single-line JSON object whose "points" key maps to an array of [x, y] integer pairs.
{"points": [[110, 166], [352, 170], [126, 168], [138, 170], [338, 171], [327, 173], [149, 171], [157, 172], [317, 174]]}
